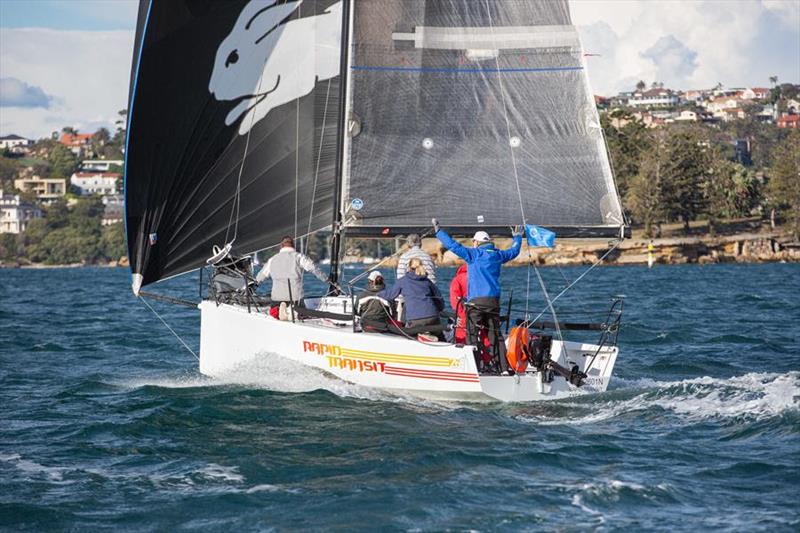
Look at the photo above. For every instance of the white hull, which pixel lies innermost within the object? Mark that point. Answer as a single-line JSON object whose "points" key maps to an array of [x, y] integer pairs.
{"points": [[230, 338]]}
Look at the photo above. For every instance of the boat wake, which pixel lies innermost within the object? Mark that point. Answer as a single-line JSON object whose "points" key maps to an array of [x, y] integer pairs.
{"points": [[752, 397], [271, 372]]}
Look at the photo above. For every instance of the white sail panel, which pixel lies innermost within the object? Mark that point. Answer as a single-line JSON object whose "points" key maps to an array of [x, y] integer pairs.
{"points": [[459, 109]]}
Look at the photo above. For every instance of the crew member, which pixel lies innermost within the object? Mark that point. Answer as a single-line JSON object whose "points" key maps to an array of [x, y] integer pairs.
{"points": [[286, 270], [414, 243], [375, 310], [458, 299], [484, 263], [423, 301]]}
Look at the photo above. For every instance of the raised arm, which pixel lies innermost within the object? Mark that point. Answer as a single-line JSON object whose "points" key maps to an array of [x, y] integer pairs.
{"points": [[308, 265], [511, 253], [467, 254]]}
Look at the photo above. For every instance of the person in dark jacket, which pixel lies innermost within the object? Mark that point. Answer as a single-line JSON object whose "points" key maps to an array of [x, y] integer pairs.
{"points": [[423, 301], [375, 310], [484, 262]]}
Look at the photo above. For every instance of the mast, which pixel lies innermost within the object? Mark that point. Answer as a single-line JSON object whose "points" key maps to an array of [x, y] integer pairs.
{"points": [[336, 242]]}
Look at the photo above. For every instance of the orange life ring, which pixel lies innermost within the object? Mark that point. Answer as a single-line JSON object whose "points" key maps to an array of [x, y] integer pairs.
{"points": [[517, 352]]}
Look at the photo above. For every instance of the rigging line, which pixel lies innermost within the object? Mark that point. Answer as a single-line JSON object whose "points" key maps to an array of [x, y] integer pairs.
{"points": [[568, 287], [527, 284], [296, 145], [505, 114], [316, 169], [382, 261], [169, 328], [296, 162], [238, 197], [549, 303]]}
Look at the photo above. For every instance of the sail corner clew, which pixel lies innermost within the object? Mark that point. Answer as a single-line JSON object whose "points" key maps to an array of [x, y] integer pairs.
{"points": [[136, 283]]}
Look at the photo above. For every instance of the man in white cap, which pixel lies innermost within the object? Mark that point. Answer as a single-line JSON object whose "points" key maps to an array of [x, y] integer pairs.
{"points": [[415, 250], [483, 285], [375, 310]]}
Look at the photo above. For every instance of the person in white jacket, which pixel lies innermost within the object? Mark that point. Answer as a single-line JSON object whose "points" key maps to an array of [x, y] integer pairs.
{"points": [[414, 243], [286, 269]]}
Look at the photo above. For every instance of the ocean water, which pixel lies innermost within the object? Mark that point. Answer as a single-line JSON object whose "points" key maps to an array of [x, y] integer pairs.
{"points": [[105, 423]]}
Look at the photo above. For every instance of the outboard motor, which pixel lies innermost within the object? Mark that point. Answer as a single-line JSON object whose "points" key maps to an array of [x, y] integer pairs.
{"points": [[525, 349]]}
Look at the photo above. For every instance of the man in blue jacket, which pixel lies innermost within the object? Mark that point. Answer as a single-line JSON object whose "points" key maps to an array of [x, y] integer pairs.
{"points": [[484, 261]]}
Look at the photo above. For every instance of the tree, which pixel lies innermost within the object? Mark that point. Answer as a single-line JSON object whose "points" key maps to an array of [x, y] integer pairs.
{"points": [[113, 241], [8, 246], [69, 130], [626, 145], [783, 189], [773, 80], [9, 169], [641, 85], [62, 161], [57, 214], [101, 136], [730, 190], [683, 174], [644, 197]]}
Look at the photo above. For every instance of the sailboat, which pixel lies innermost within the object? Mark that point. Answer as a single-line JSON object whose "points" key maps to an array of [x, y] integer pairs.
{"points": [[254, 119]]}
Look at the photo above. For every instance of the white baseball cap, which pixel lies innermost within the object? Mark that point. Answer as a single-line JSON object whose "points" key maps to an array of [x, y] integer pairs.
{"points": [[481, 236], [375, 274]]}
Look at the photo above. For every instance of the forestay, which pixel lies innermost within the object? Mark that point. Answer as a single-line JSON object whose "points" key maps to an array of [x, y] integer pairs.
{"points": [[447, 97], [225, 97]]}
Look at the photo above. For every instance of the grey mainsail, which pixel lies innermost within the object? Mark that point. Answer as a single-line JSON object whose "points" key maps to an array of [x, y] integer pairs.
{"points": [[474, 112]]}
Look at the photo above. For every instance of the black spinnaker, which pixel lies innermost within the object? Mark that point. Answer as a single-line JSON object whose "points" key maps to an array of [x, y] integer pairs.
{"points": [[223, 100]]}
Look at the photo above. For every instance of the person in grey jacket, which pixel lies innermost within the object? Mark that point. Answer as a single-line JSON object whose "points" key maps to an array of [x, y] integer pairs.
{"points": [[286, 269], [415, 252]]}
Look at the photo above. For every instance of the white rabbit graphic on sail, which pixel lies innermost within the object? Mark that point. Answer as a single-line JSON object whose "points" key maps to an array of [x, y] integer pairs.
{"points": [[265, 62]]}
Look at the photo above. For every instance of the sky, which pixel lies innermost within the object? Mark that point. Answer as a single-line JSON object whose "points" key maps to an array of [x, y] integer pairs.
{"points": [[67, 62]]}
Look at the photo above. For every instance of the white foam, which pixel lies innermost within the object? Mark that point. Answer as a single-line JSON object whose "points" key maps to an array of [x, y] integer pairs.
{"points": [[275, 373], [755, 396], [33, 468], [223, 473]]}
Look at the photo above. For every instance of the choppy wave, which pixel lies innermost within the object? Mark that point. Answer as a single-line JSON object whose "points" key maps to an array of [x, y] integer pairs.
{"points": [[753, 396]]}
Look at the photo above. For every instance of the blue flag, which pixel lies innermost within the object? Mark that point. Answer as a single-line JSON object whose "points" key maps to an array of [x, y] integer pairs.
{"points": [[539, 236]]}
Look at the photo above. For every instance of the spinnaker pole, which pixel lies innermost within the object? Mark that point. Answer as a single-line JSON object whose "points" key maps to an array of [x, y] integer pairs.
{"points": [[336, 241]]}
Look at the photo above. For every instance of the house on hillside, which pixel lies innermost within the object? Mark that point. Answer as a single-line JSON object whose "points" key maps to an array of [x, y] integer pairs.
{"points": [[15, 144], [793, 107], [692, 95], [656, 97], [789, 121], [686, 115], [15, 213], [78, 143], [114, 211], [768, 114], [45, 189], [755, 93], [729, 114], [102, 183], [100, 165]]}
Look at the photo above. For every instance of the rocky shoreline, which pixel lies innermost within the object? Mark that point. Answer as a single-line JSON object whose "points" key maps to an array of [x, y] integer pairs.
{"points": [[754, 247], [758, 247]]}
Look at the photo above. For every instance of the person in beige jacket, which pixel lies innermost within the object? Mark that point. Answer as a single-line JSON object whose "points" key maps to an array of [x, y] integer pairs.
{"points": [[286, 269]]}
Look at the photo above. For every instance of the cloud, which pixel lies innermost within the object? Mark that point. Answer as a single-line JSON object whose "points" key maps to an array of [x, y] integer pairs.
{"points": [[17, 93], [690, 44], [673, 60], [88, 70]]}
